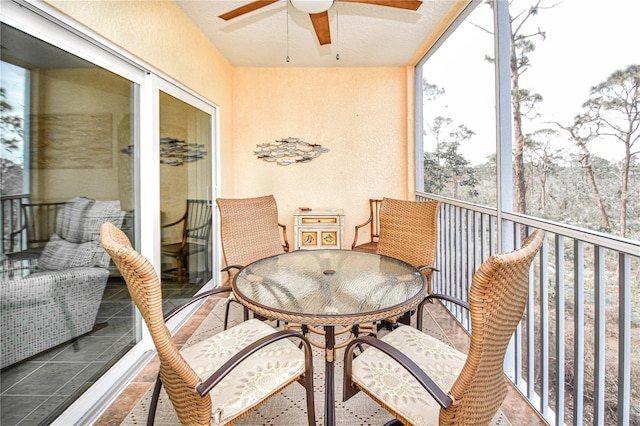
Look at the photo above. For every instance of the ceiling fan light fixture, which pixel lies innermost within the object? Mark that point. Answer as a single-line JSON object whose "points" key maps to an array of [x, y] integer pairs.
{"points": [[312, 6]]}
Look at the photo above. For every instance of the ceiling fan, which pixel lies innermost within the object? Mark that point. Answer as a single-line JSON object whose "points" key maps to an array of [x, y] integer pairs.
{"points": [[317, 10]]}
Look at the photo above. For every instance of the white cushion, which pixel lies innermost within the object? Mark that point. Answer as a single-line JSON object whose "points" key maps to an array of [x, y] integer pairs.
{"points": [[80, 219], [60, 254], [70, 219], [382, 377], [257, 378], [99, 213]]}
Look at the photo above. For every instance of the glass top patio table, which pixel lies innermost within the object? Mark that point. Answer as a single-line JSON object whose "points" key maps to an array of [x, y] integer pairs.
{"points": [[325, 287], [329, 288]]}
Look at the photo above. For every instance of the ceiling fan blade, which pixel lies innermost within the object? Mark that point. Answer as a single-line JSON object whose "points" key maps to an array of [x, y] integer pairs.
{"points": [[250, 7], [400, 4], [320, 23]]}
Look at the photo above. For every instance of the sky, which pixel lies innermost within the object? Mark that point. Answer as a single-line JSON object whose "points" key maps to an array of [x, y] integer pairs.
{"points": [[11, 79], [586, 40]]}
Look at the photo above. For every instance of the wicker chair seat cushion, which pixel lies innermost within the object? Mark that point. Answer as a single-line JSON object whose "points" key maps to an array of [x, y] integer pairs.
{"points": [[263, 373], [382, 378]]}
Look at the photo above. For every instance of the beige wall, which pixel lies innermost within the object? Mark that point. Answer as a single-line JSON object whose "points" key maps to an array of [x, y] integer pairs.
{"points": [[76, 136], [159, 33], [360, 114]]}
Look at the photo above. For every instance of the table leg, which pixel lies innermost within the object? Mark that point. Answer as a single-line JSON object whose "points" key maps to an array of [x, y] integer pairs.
{"points": [[329, 390]]}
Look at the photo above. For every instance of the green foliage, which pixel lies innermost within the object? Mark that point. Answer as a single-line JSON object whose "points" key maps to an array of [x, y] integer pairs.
{"points": [[446, 169], [10, 124]]}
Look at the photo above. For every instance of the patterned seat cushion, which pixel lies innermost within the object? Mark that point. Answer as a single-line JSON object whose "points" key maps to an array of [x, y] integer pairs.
{"points": [[382, 377], [267, 370]]}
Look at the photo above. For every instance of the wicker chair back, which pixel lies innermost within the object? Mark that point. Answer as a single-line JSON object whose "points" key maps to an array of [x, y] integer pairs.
{"points": [[178, 378], [249, 230], [409, 232], [497, 300]]}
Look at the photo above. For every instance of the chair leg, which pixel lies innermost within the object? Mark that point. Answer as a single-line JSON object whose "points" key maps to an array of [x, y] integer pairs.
{"points": [[154, 402], [311, 415], [206, 264], [226, 314], [405, 318], [185, 266], [179, 263]]}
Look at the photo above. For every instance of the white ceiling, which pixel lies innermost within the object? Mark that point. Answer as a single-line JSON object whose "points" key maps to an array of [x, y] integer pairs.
{"points": [[363, 35]]}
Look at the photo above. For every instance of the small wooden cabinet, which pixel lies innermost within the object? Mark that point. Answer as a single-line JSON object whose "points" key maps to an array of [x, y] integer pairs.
{"points": [[318, 229]]}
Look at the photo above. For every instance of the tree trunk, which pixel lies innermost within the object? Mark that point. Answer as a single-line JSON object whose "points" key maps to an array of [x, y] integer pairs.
{"points": [[624, 192], [586, 162], [520, 194], [543, 189]]}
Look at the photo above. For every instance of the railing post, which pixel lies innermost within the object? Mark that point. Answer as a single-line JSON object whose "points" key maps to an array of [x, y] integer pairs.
{"points": [[624, 339], [578, 332], [503, 137]]}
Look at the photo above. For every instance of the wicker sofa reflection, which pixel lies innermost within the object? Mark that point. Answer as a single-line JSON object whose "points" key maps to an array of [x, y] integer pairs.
{"points": [[54, 298]]}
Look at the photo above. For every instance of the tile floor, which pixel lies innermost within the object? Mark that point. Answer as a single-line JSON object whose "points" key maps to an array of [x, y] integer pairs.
{"points": [[515, 407], [37, 390]]}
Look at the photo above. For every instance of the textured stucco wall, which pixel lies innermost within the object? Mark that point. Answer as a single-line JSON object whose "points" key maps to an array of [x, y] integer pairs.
{"points": [[159, 33], [360, 114]]}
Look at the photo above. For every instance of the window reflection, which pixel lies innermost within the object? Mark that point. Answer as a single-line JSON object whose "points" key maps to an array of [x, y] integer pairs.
{"points": [[66, 314], [185, 204]]}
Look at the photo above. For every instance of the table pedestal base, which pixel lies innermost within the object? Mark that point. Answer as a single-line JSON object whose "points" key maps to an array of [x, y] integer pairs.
{"points": [[329, 389]]}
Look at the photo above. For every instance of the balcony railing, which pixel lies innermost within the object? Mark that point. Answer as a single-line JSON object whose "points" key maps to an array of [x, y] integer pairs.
{"points": [[12, 219], [571, 356]]}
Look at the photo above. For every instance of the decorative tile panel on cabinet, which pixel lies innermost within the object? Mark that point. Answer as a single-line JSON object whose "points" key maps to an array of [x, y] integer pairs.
{"points": [[318, 228]]}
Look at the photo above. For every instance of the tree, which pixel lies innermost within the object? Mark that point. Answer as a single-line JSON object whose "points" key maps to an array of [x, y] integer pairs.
{"points": [[523, 102], [612, 113], [543, 158], [10, 140], [580, 138], [446, 166], [10, 124], [431, 91]]}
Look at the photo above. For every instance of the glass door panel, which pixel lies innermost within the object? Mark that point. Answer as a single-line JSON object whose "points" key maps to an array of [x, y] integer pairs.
{"points": [[185, 198], [69, 317]]}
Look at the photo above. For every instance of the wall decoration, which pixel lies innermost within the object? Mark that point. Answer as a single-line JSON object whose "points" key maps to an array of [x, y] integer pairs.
{"points": [[288, 151], [309, 238], [71, 141], [329, 238], [174, 152]]}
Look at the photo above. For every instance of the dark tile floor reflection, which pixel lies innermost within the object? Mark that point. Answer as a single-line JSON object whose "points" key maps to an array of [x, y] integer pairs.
{"points": [[35, 391]]}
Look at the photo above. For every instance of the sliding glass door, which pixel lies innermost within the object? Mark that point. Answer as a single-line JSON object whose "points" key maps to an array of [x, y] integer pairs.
{"points": [[185, 196], [92, 130], [66, 316]]}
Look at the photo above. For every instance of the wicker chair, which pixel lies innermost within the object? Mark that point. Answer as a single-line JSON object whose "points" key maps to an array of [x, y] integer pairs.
{"points": [[409, 232], [213, 381], [38, 225], [249, 231], [374, 229], [407, 370], [196, 235]]}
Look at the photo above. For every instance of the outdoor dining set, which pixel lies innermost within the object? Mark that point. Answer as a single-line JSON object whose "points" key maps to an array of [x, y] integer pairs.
{"points": [[361, 306]]}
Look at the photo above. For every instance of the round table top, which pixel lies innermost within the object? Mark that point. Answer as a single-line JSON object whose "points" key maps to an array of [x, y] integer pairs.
{"points": [[326, 287]]}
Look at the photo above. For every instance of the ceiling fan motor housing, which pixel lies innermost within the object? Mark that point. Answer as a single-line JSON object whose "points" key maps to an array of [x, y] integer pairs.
{"points": [[312, 6]]}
